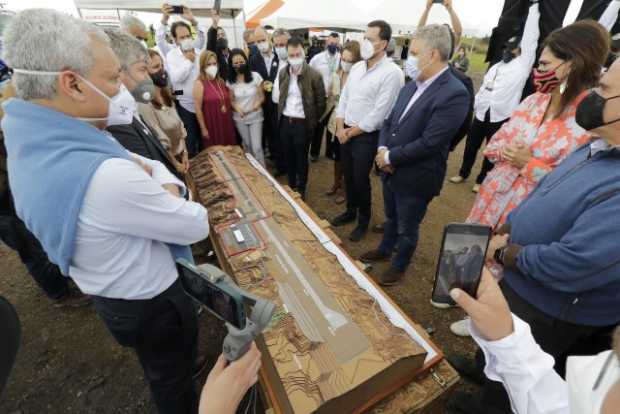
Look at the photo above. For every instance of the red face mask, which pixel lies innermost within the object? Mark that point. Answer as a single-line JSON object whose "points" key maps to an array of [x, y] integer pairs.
{"points": [[546, 82]]}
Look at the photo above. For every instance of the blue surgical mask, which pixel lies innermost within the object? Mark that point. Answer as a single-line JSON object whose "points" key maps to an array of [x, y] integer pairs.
{"points": [[411, 67]]}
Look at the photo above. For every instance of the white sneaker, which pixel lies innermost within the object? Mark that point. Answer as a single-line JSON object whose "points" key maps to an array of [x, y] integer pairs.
{"points": [[457, 179], [441, 305], [475, 188], [461, 328]]}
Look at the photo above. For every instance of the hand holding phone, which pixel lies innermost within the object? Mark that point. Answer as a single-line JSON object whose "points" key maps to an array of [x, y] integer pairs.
{"points": [[177, 10], [461, 260]]}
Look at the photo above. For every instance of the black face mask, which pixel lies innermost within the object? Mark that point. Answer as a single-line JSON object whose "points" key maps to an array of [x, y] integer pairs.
{"points": [[240, 68], [221, 44], [507, 56], [589, 113], [160, 79]]}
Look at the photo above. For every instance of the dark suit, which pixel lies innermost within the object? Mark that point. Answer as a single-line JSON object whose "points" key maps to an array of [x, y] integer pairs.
{"points": [[464, 129], [418, 146], [140, 139], [270, 110]]}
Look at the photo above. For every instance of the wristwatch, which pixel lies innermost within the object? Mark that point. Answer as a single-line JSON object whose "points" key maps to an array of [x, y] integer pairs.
{"points": [[499, 255]]}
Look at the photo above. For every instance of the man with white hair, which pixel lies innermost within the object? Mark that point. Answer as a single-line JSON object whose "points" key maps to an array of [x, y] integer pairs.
{"points": [[266, 64], [135, 27], [111, 219], [414, 145], [182, 63], [280, 39]]}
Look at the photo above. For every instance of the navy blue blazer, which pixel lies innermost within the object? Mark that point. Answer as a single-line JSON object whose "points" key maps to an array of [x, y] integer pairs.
{"points": [[420, 144]]}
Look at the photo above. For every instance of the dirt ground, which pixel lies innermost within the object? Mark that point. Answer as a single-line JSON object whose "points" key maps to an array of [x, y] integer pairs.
{"points": [[69, 363]]}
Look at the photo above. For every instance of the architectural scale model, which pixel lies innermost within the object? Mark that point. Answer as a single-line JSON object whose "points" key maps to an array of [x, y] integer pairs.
{"points": [[330, 347]]}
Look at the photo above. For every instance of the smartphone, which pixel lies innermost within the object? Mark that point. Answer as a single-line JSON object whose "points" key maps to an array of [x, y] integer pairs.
{"points": [[217, 6], [438, 1], [461, 259], [221, 299], [177, 10]]}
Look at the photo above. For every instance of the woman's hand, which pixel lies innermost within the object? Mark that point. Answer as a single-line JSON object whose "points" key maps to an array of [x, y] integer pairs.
{"points": [[518, 154], [205, 133], [227, 384]]}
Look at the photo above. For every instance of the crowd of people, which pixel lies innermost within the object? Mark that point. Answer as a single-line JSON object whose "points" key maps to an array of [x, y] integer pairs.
{"points": [[114, 126]]}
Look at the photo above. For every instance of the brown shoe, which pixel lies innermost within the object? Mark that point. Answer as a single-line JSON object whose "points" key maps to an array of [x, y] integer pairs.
{"points": [[374, 256], [391, 277], [73, 299]]}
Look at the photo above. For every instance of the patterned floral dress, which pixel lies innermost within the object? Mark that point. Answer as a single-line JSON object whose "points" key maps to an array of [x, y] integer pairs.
{"points": [[506, 186]]}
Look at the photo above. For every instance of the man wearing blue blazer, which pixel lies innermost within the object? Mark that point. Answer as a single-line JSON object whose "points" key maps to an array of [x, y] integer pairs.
{"points": [[413, 147]]}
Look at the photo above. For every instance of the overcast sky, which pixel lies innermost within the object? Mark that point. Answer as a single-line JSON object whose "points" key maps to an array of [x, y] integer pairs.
{"points": [[478, 16]]}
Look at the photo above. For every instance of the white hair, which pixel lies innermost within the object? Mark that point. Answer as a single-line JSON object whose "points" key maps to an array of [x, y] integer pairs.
{"points": [[49, 41], [127, 48], [281, 32], [436, 36], [128, 21]]}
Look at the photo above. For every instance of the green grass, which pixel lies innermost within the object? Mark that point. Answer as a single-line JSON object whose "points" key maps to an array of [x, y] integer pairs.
{"points": [[477, 63]]}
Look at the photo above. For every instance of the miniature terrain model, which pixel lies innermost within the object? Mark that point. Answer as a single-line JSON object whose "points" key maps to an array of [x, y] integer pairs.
{"points": [[332, 346]]}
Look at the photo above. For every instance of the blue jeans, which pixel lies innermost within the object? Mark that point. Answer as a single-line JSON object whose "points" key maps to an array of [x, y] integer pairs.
{"points": [[403, 214]]}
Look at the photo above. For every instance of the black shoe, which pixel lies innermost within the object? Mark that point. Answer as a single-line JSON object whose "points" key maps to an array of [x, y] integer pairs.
{"points": [[359, 233], [391, 277], [467, 368], [378, 228], [343, 219]]}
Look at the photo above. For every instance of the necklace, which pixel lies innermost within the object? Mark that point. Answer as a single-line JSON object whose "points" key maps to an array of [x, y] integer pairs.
{"points": [[220, 95]]}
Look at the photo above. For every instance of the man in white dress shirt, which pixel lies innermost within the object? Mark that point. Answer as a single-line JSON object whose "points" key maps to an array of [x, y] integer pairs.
{"points": [[367, 99], [326, 63], [500, 95], [126, 212], [182, 63], [592, 384]]}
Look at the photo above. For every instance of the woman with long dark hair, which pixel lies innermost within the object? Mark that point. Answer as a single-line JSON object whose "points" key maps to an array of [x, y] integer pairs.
{"points": [[542, 131], [161, 116], [247, 97]]}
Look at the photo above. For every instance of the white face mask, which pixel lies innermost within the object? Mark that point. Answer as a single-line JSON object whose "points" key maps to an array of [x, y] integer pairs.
{"points": [[121, 107], [589, 382], [411, 67], [368, 50], [282, 53], [346, 66], [296, 62], [263, 47], [211, 71], [143, 42], [187, 44]]}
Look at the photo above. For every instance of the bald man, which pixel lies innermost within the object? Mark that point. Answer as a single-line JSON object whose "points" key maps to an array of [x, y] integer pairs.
{"points": [[266, 63]]}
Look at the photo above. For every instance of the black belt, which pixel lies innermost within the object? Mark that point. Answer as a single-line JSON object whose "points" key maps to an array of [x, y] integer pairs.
{"points": [[292, 120], [177, 93]]}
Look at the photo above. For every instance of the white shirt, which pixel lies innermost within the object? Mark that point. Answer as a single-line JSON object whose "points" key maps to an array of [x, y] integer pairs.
{"points": [[503, 84], [369, 95], [183, 74], [165, 47], [294, 107], [526, 371], [610, 15], [125, 221], [268, 59], [326, 64], [246, 96], [422, 87]]}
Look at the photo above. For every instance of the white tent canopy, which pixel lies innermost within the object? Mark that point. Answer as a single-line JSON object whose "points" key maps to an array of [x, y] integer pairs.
{"points": [[230, 8], [301, 14]]}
